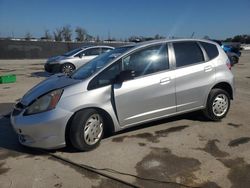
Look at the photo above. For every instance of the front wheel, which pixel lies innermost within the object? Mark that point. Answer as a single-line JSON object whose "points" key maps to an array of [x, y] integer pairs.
{"points": [[67, 68], [218, 104], [86, 130]]}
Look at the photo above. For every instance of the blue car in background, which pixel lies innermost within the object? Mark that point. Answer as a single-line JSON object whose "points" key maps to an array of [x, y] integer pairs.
{"points": [[232, 52]]}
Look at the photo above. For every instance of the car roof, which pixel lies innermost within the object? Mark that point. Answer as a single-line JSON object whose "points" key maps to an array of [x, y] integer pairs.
{"points": [[172, 40], [96, 46]]}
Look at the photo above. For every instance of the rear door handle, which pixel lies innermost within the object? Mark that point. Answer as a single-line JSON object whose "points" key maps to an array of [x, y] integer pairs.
{"points": [[208, 68], [165, 81]]}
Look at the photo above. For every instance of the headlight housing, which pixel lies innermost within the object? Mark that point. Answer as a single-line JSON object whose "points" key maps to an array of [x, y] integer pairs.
{"points": [[45, 102]]}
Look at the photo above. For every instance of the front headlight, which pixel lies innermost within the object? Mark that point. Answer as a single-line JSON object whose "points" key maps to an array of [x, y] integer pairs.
{"points": [[45, 102]]}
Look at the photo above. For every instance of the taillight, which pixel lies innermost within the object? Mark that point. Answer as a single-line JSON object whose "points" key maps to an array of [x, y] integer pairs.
{"points": [[228, 64]]}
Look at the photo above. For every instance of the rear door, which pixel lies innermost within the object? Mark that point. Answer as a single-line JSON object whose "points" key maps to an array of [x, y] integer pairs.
{"points": [[151, 94], [194, 75]]}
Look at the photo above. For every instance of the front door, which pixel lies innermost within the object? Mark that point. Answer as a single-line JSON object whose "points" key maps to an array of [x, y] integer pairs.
{"points": [[151, 94]]}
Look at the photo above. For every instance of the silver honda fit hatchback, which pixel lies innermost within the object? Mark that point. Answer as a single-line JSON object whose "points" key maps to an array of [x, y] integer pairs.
{"points": [[125, 87]]}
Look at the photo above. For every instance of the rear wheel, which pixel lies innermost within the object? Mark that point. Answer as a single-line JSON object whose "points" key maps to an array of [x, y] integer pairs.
{"points": [[234, 60], [218, 104], [86, 129], [67, 68]]}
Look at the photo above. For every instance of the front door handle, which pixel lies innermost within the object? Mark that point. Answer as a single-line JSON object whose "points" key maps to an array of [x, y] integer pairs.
{"points": [[165, 81], [208, 68]]}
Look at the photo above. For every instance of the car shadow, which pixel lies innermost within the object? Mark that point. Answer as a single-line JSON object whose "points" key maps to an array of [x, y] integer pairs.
{"points": [[9, 139], [40, 74], [193, 116]]}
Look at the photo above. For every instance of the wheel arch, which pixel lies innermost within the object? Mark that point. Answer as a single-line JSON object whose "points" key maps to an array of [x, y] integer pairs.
{"points": [[225, 86]]}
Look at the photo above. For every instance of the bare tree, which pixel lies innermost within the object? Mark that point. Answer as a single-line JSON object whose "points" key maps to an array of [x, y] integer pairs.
{"points": [[28, 36], [47, 35], [58, 34], [67, 32], [80, 34], [98, 38]]}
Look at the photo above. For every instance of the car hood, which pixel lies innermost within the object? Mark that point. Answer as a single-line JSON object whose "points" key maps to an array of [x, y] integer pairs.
{"points": [[52, 83], [56, 58]]}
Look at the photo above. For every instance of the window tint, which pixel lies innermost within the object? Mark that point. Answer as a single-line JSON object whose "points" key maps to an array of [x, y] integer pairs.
{"points": [[147, 60], [92, 51], [187, 53], [105, 77], [104, 50], [211, 49]]}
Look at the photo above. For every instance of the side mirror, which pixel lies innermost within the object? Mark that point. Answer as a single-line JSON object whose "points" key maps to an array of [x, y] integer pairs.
{"points": [[125, 75], [80, 55]]}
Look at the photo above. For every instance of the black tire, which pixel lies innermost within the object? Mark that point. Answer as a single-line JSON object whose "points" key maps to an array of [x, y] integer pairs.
{"points": [[78, 128], [234, 60], [67, 68], [213, 100]]}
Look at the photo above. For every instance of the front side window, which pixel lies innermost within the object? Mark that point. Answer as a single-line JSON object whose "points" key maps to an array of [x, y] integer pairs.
{"points": [[104, 50], [92, 51], [148, 60], [93, 66], [73, 52], [187, 53]]}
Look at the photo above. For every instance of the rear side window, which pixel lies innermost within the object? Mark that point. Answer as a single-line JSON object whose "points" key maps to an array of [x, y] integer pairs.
{"points": [[187, 53], [211, 50]]}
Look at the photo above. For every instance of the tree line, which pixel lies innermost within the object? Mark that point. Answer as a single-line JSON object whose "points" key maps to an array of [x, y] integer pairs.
{"points": [[64, 33], [243, 39]]}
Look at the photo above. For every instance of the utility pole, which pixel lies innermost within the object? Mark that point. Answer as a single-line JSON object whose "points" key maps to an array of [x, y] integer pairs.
{"points": [[192, 35]]}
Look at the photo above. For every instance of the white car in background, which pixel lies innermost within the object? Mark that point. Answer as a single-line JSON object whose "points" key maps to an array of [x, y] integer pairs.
{"points": [[72, 60]]}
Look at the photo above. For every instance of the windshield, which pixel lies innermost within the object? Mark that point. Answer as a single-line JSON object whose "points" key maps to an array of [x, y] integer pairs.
{"points": [[72, 52], [99, 62]]}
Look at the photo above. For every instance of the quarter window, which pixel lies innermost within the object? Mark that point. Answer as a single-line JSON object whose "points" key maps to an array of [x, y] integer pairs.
{"points": [[148, 60], [210, 49], [106, 77], [187, 53]]}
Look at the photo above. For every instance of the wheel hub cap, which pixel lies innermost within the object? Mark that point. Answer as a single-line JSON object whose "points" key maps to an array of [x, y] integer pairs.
{"points": [[93, 129], [67, 69], [220, 105]]}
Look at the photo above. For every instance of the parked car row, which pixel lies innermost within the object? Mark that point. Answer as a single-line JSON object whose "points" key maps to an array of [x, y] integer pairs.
{"points": [[125, 87]]}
